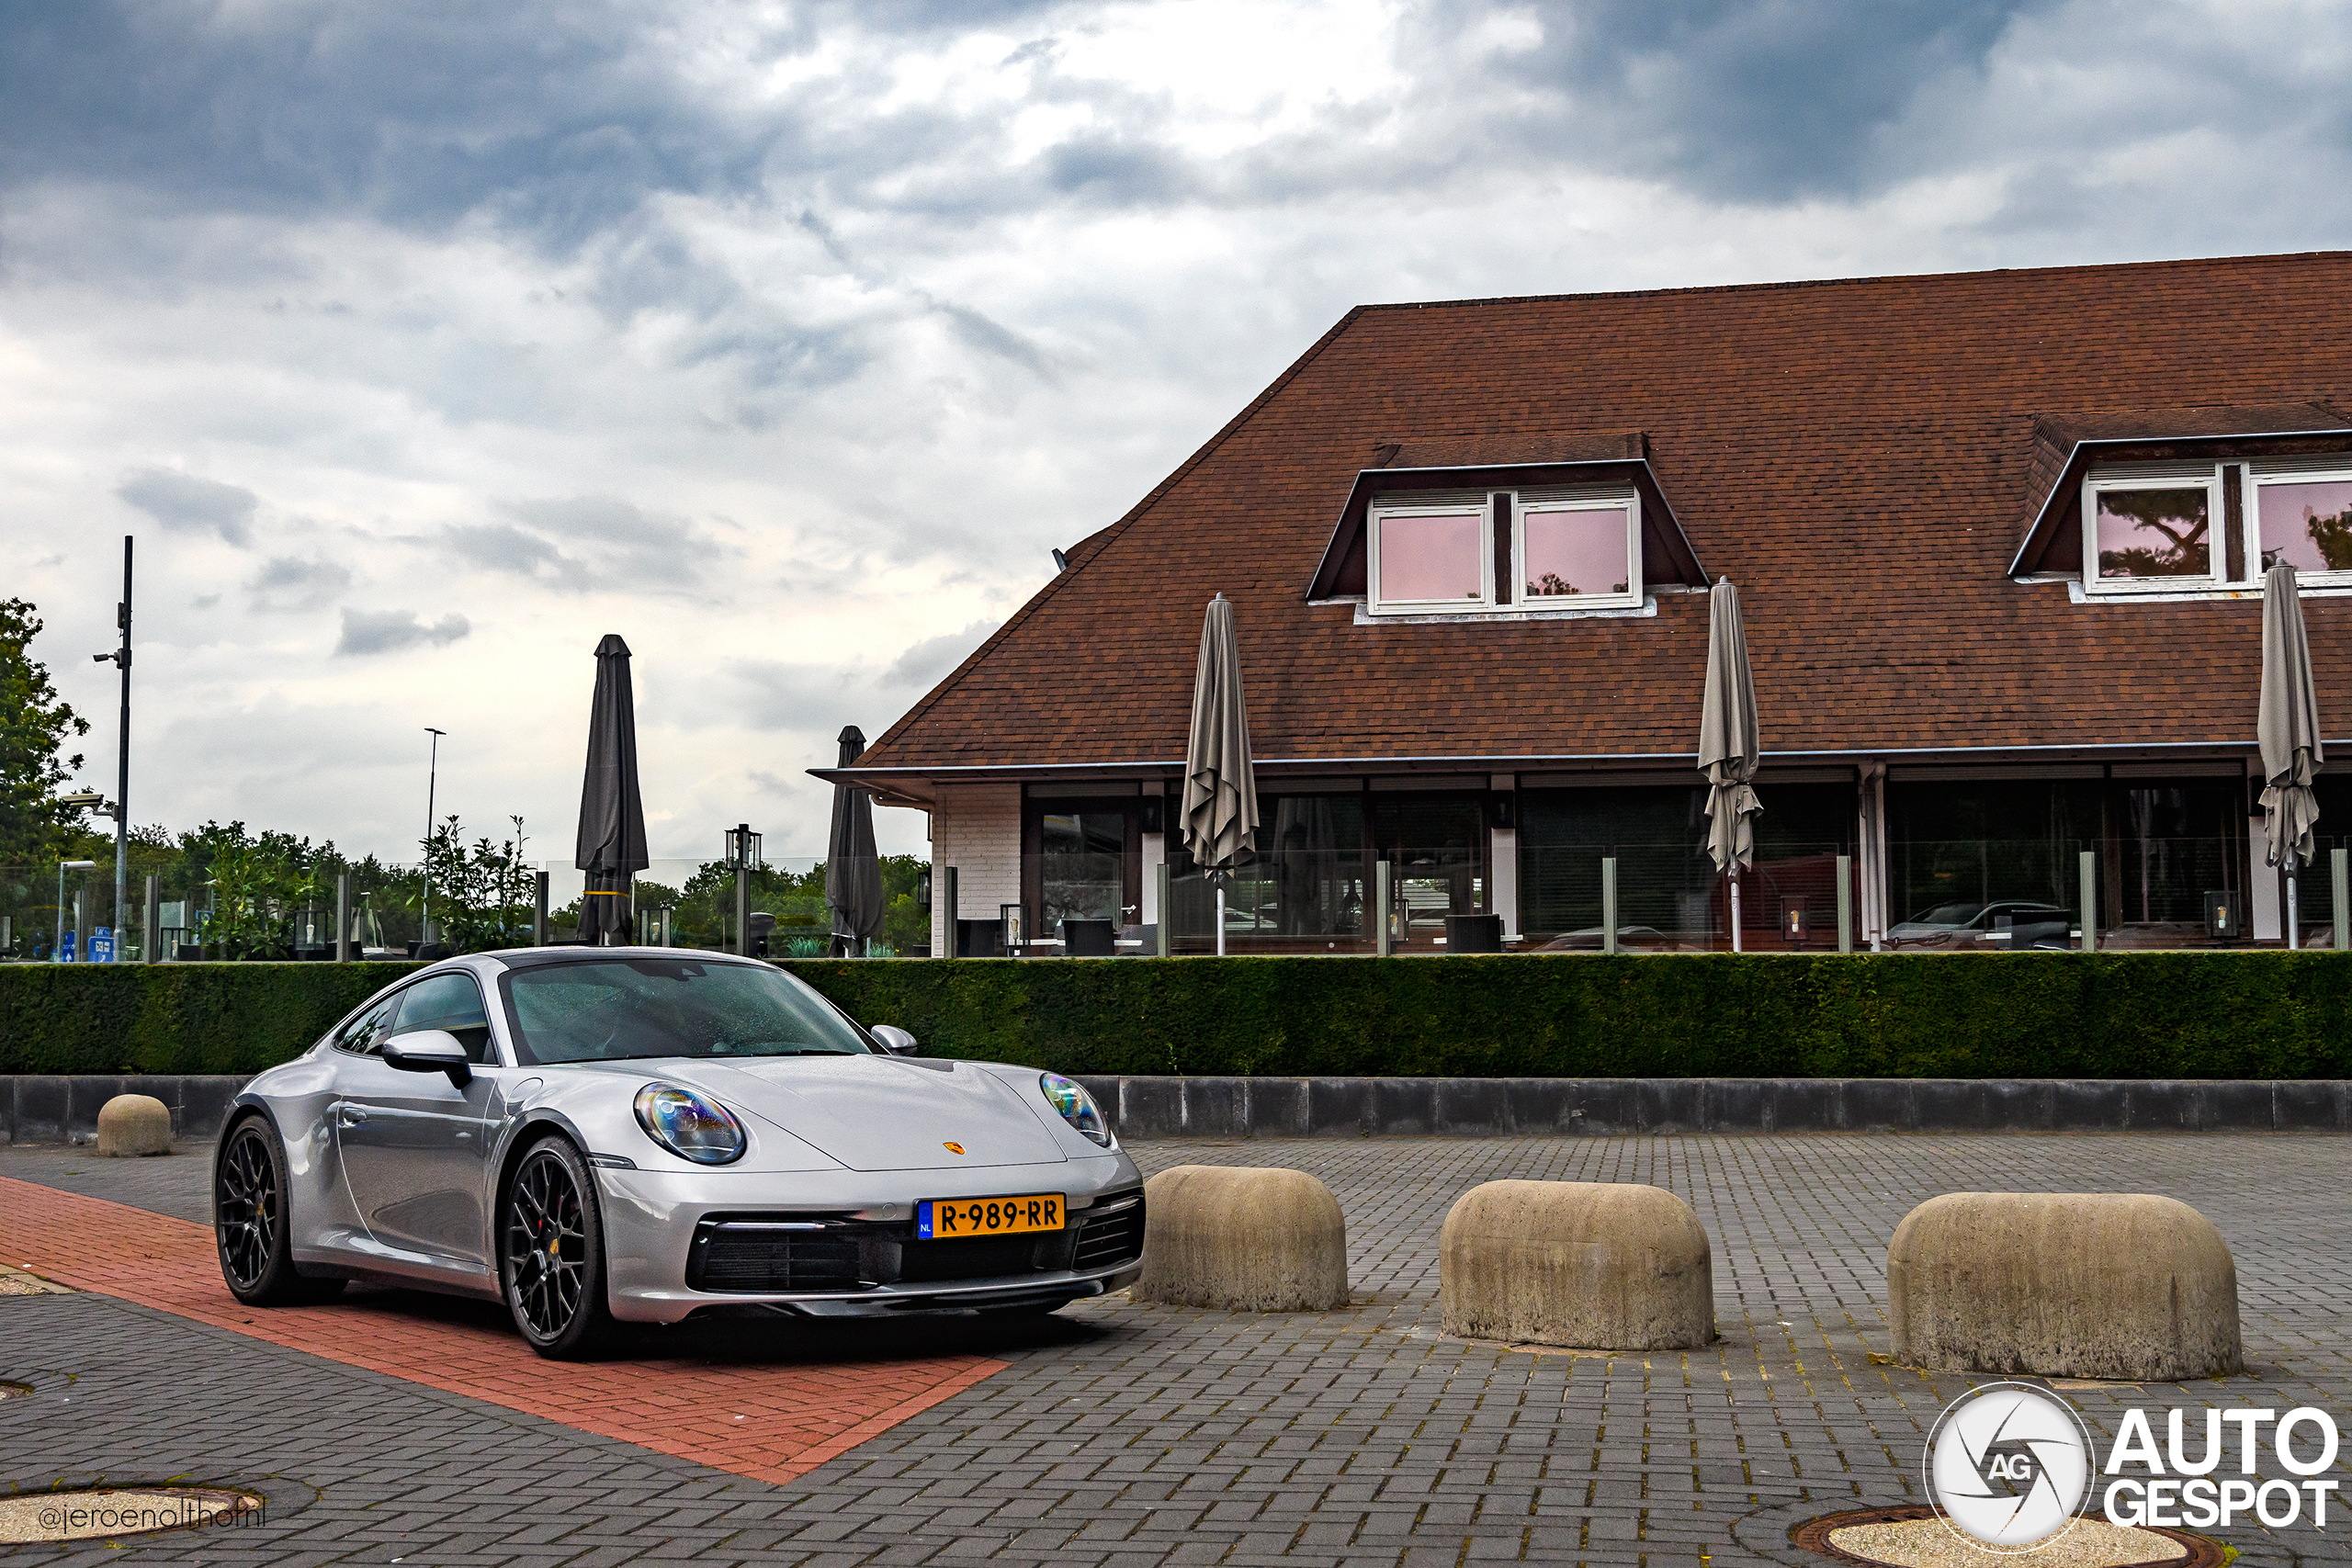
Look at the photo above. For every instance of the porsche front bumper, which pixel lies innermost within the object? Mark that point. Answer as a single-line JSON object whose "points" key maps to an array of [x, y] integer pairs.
{"points": [[843, 1243]]}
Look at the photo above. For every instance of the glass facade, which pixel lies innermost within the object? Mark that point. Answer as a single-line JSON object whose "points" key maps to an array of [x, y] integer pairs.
{"points": [[1669, 893], [2163, 843]]}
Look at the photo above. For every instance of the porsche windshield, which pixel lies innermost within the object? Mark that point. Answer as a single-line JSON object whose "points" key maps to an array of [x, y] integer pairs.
{"points": [[612, 1009]]}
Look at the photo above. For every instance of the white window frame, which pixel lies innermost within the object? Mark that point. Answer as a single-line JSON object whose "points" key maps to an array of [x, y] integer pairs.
{"points": [[2157, 476], [1522, 505], [2287, 471], [1424, 506]]}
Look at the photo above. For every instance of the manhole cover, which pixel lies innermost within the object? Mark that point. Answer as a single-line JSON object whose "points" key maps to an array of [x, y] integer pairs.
{"points": [[101, 1512], [1914, 1538]]}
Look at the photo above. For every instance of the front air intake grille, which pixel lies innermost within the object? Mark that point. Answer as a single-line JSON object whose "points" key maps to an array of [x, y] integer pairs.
{"points": [[1106, 1241], [982, 1258], [727, 1259]]}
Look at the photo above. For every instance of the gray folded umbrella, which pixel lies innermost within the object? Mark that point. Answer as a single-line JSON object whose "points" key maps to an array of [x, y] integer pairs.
{"points": [[852, 869], [1220, 792], [1728, 752], [612, 815], [2288, 725]]}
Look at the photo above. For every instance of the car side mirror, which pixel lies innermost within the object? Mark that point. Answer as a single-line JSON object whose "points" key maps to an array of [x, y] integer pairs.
{"points": [[896, 1040], [429, 1051]]}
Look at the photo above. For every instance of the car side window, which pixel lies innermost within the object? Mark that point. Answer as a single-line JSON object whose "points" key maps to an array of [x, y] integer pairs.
{"points": [[451, 1002], [364, 1033]]}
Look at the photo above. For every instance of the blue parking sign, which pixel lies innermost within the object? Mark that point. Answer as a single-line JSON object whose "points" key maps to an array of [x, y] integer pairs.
{"points": [[102, 945], [65, 948]]}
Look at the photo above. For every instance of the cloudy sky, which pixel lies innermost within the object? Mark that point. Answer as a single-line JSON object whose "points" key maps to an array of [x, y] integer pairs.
{"points": [[421, 344]]}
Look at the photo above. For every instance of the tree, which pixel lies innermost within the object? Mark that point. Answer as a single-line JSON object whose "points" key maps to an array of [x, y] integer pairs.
{"points": [[34, 726]]}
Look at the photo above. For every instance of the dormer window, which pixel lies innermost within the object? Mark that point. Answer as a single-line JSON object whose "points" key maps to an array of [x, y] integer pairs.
{"points": [[1564, 548], [2152, 526]]}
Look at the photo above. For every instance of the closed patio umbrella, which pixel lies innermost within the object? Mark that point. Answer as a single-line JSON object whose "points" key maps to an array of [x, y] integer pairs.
{"points": [[612, 815], [2287, 728], [1220, 793], [1728, 754], [853, 870]]}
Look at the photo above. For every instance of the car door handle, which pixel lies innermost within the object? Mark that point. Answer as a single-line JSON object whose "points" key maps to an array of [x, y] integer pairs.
{"points": [[349, 1116]]}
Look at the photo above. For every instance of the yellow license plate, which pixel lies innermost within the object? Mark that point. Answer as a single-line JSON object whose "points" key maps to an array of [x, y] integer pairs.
{"points": [[945, 1219]]}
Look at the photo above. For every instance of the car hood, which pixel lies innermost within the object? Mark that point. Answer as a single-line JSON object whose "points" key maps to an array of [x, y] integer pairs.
{"points": [[881, 1113]]}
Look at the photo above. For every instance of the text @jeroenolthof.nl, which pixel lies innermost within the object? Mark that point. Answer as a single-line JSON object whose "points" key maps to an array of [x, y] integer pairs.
{"points": [[80, 1515]]}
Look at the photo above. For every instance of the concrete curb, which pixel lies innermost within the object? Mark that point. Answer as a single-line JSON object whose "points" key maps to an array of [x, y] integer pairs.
{"points": [[36, 1109], [1341, 1108]]}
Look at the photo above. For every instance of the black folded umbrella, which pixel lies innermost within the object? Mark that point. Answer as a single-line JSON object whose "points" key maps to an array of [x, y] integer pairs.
{"points": [[852, 869], [612, 814]]}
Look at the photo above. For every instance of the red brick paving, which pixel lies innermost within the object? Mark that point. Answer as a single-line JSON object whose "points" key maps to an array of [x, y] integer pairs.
{"points": [[770, 1422]]}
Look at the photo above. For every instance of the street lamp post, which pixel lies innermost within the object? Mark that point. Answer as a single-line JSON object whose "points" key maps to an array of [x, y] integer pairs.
{"points": [[431, 774], [62, 868], [121, 659]]}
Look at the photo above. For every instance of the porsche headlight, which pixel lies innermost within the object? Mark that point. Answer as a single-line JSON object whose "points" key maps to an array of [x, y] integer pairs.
{"points": [[690, 1126], [1076, 1106]]}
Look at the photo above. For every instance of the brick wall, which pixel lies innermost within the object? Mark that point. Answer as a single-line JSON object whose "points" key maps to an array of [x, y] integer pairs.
{"points": [[977, 830]]}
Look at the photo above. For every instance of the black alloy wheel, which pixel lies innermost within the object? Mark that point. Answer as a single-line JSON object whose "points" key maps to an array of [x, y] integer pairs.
{"points": [[249, 1221], [551, 1253]]}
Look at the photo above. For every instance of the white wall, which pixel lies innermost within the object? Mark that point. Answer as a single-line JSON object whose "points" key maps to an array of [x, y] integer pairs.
{"points": [[977, 830]]}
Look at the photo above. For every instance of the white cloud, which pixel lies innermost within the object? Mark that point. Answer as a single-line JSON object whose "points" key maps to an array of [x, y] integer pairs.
{"points": [[786, 343]]}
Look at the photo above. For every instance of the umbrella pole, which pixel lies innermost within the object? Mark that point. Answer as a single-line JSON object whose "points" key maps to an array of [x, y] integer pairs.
{"points": [[1735, 912], [2294, 916], [1220, 919]]}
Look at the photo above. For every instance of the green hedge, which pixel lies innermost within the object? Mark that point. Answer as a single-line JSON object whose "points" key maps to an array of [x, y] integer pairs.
{"points": [[173, 1018], [2140, 1015]]}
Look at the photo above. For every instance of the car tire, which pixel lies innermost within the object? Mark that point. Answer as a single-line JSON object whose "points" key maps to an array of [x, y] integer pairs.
{"points": [[251, 1226], [551, 1253]]}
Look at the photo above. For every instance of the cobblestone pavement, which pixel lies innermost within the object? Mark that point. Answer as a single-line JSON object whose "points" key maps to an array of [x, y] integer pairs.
{"points": [[1123, 1434]]}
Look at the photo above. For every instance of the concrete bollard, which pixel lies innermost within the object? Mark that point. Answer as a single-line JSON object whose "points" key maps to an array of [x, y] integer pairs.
{"points": [[2063, 1284], [1242, 1239], [132, 1124], [1593, 1265]]}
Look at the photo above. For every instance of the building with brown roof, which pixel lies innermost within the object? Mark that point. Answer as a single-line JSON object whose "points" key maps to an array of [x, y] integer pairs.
{"points": [[1998, 537]]}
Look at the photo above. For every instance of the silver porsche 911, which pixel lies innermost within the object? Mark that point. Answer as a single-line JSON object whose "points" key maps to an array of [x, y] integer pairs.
{"points": [[645, 1134]]}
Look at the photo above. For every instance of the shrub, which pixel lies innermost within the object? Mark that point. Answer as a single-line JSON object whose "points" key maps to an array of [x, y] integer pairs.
{"points": [[173, 1018], [2135, 1015], [2138, 1015]]}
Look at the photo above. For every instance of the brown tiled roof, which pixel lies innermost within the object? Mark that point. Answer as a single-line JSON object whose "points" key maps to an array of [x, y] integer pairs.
{"points": [[1861, 458]]}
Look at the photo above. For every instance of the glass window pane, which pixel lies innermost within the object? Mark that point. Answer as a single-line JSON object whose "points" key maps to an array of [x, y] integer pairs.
{"points": [[1576, 552], [1084, 870], [2308, 526], [2153, 533], [1431, 556]]}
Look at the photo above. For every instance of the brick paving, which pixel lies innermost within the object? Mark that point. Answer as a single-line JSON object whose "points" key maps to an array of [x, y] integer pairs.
{"points": [[770, 1423], [1121, 1434]]}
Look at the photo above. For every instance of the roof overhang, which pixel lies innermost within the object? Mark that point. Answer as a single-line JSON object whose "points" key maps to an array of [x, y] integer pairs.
{"points": [[918, 786]]}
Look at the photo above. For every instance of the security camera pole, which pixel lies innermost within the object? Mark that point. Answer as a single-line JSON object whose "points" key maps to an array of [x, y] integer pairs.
{"points": [[120, 658]]}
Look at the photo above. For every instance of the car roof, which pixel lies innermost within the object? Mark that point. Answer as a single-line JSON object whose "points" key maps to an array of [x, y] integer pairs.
{"points": [[535, 957]]}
